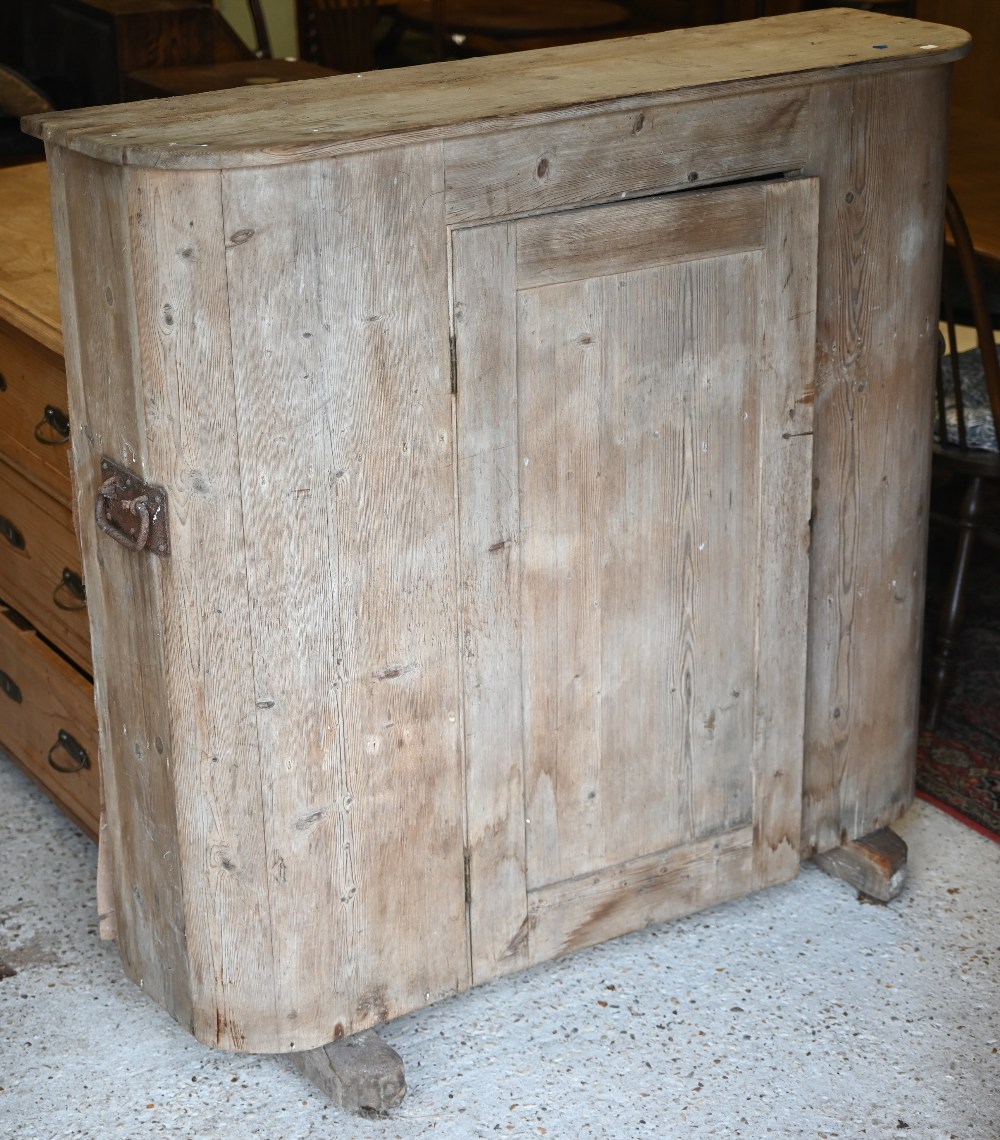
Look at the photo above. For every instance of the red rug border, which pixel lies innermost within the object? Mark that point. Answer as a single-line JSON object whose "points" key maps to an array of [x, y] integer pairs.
{"points": [[956, 814]]}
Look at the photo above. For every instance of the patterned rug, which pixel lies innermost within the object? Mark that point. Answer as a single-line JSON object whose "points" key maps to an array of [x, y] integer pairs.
{"points": [[958, 765]]}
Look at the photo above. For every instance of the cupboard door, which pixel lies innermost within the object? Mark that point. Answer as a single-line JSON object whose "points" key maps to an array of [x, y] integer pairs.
{"points": [[634, 388]]}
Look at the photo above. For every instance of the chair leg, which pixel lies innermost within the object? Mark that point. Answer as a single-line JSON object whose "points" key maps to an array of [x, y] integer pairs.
{"points": [[953, 609]]}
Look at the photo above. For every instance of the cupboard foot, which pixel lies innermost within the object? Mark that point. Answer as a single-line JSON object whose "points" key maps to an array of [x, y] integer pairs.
{"points": [[359, 1073], [875, 864]]}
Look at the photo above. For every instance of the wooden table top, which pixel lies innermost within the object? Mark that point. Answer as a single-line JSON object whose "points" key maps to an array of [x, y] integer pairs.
{"points": [[29, 290], [516, 17], [974, 174]]}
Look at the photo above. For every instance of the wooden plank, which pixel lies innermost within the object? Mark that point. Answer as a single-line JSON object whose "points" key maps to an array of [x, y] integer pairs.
{"points": [[655, 888], [640, 502], [361, 1073], [876, 145], [616, 239], [178, 240], [875, 864], [489, 527], [340, 341], [94, 250], [566, 162], [281, 123], [787, 396], [561, 366]]}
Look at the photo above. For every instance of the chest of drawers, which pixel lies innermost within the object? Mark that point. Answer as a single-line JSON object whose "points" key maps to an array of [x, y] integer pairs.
{"points": [[47, 720]]}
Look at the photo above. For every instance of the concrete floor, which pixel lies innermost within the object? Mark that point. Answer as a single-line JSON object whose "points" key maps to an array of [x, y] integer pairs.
{"points": [[798, 1012]]}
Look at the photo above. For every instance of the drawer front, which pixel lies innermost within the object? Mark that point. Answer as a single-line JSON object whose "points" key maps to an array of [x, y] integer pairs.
{"points": [[40, 572], [33, 412], [48, 723]]}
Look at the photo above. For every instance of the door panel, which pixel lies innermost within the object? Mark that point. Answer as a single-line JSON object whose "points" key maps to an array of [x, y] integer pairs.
{"points": [[634, 393]]}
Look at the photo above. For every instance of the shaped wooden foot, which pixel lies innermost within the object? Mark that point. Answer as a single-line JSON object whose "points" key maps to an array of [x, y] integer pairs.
{"points": [[875, 864], [359, 1073]]}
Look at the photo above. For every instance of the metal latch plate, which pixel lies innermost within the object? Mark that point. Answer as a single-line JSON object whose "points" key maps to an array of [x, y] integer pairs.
{"points": [[131, 510]]}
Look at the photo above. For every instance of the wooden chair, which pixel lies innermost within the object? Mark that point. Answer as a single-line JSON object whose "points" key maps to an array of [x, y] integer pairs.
{"points": [[338, 33], [18, 97], [256, 68], [965, 447], [260, 29]]}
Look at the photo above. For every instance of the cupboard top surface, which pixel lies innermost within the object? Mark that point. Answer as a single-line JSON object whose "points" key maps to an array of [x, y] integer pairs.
{"points": [[287, 122]]}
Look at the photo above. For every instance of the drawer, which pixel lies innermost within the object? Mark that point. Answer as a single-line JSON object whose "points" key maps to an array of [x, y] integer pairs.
{"points": [[33, 420], [48, 723], [39, 556]]}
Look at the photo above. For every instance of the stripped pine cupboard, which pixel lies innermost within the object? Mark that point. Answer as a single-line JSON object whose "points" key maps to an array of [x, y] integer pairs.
{"points": [[541, 442]]}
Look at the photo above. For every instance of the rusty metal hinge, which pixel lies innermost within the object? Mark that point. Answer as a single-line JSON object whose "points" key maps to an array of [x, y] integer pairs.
{"points": [[132, 511]]}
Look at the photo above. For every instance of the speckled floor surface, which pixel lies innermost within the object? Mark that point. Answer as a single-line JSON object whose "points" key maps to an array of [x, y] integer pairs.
{"points": [[798, 1012]]}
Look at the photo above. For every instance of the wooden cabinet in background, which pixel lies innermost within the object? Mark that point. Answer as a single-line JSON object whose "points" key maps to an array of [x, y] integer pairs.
{"points": [[48, 724], [544, 446], [82, 51]]}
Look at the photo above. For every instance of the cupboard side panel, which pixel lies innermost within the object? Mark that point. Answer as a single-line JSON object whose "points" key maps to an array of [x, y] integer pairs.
{"points": [[878, 149], [491, 546], [338, 288], [182, 312], [124, 596]]}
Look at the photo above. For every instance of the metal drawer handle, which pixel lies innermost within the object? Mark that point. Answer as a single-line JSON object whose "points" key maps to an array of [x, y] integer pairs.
{"points": [[57, 422], [74, 749], [72, 585], [3, 382], [10, 687], [11, 533]]}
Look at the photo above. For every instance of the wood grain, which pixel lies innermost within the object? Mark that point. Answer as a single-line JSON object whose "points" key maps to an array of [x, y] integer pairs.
{"points": [[284, 123], [616, 239], [562, 163], [572, 915], [106, 410], [875, 864], [787, 387], [484, 289], [876, 351], [347, 479], [178, 241]]}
